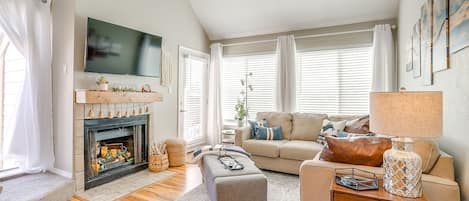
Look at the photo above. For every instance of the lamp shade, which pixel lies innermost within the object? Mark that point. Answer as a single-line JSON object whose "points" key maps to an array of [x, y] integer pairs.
{"points": [[406, 114]]}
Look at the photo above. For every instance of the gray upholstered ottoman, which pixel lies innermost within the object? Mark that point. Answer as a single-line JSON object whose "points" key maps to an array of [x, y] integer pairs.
{"points": [[222, 184]]}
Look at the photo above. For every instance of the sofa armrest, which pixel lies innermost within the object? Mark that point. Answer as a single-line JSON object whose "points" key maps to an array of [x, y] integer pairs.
{"points": [[242, 134], [444, 167]]}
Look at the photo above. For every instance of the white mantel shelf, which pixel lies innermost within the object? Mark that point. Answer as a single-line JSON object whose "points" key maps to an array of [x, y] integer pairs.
{"points": [[96, 97]]}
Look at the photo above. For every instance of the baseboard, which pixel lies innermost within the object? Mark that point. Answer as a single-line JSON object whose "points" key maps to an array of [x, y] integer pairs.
{"points": [[62, 173]]}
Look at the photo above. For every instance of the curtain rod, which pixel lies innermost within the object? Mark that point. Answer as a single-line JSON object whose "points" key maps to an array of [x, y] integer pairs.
{"points": [[303, 37]]}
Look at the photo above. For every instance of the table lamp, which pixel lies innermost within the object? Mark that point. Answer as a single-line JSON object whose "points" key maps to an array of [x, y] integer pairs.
{"points": [[405, 115]]}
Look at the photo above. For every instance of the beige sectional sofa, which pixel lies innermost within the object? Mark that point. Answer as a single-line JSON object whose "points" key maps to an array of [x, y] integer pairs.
{"points": [[298, 152], [299, 130]]}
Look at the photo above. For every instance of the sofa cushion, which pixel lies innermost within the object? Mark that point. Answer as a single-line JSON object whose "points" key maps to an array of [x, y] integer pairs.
{"points": [[341, 117], [268, 148], [359, 151], [264, 133], [330, 128], [300, 150], [275, 119], [307, 126], [360, 125], [429, 151], [256, 124]]}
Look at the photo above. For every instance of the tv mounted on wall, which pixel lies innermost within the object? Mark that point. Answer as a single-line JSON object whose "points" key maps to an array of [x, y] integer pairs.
{"points": [[115, 49]]}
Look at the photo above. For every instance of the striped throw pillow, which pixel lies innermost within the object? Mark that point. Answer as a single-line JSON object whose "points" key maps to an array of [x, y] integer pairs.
{"points": [[264, 133]]}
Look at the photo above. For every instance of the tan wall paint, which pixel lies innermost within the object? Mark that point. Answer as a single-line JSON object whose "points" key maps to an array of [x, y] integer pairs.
{"points": [[62, 83], [174, 20], [326, 42], [454, 83]]}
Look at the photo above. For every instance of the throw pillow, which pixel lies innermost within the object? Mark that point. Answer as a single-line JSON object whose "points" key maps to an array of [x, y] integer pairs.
{"points": [[360, 125], [307, 126], [256, 124], [358, 151], [343, 134], [264, 133], [429, 151], [330, 128]]}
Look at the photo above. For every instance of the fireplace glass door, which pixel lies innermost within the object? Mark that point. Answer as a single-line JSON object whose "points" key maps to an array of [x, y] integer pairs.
{"points": [[114, 147]]}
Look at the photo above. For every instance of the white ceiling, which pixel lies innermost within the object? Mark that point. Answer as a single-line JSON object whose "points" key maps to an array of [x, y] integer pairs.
{"points": [[223, 19]]}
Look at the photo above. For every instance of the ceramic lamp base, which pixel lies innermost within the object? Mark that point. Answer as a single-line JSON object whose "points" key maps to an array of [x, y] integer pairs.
{"points": [[402, 169]]}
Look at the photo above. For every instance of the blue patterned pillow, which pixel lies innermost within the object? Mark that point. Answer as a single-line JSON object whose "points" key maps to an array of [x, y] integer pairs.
{"points": [[255, 125], [264, 133]]}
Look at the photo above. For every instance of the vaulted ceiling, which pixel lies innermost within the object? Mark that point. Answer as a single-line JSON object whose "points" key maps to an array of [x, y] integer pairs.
{"points": [[223, 19]]}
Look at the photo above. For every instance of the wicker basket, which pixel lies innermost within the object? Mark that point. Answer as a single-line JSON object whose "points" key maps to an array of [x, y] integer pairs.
{"points": [[158, 162]]}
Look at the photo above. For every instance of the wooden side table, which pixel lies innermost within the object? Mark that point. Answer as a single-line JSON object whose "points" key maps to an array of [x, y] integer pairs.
{"points": [[340, 193]]}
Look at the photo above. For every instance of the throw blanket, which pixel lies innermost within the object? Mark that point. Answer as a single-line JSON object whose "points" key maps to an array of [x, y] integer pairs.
{"points": [[216, 150]]}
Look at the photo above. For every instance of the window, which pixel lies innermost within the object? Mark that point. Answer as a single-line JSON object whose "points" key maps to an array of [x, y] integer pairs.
{"points": [[12, 79], [334, 81], [192, 96], [261, 99]]}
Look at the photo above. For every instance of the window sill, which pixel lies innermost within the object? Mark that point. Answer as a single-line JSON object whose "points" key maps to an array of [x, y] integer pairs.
{"points": [[10, 174]]}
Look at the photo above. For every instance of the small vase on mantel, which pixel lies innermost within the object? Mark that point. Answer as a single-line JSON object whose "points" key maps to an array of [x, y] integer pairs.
{"points": [[103, 84], [103, 87]]}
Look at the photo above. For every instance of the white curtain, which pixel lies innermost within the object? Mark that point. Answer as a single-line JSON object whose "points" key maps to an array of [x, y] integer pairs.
{"points": [[384, 69], [285, 92], [27, 23], [214, 115]]}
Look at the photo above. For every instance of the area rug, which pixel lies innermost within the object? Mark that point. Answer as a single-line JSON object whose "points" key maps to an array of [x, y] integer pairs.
{"points": [[124, 185], [281, 187]]}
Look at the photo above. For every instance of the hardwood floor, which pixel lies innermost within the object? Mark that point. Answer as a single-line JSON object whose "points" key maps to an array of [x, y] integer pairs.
{"points": [[186, 178]]}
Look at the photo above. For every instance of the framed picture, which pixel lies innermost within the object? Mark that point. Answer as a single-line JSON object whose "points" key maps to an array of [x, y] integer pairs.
{"points": [[440, 55], [408, 66], [416, 64], [459, 24], [426, 42]]}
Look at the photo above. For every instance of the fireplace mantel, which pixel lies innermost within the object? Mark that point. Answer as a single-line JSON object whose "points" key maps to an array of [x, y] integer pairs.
{"points": [[95, 97]]}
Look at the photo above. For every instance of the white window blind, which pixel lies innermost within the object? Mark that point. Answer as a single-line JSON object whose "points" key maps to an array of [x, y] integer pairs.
{"points": [[194, 97], [336, 81], [260, 99]]}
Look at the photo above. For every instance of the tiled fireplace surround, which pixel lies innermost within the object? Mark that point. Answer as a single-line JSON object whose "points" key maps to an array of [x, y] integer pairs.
{"points": [[82, 112]]}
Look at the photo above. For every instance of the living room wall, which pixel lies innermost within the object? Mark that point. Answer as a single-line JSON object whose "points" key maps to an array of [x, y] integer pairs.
{"points": [[173, 20], [454, 83], [62, 84]]}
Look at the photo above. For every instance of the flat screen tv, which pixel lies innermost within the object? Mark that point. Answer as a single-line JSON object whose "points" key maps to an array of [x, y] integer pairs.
{"points": [[119, 50]]}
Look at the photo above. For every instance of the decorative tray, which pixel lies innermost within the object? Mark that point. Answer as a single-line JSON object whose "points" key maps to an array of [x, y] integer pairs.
{"points": [[230, 163], [356, 179]]}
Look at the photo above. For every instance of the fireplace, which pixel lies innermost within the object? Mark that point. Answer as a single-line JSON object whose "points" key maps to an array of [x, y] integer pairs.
{"points": [[114, 147]]}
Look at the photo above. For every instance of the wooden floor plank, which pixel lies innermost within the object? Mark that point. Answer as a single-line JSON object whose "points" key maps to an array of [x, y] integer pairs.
{"points": [[186, 178]]}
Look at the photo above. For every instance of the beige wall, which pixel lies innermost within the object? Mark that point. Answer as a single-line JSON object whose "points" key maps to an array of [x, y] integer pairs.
{"points": [[327, 42], [62, 83], [173, 20], [454, 83]]}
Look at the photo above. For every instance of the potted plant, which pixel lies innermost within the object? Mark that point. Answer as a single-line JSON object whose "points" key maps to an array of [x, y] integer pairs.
{"points": [[102, 83], [241, 112]]}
